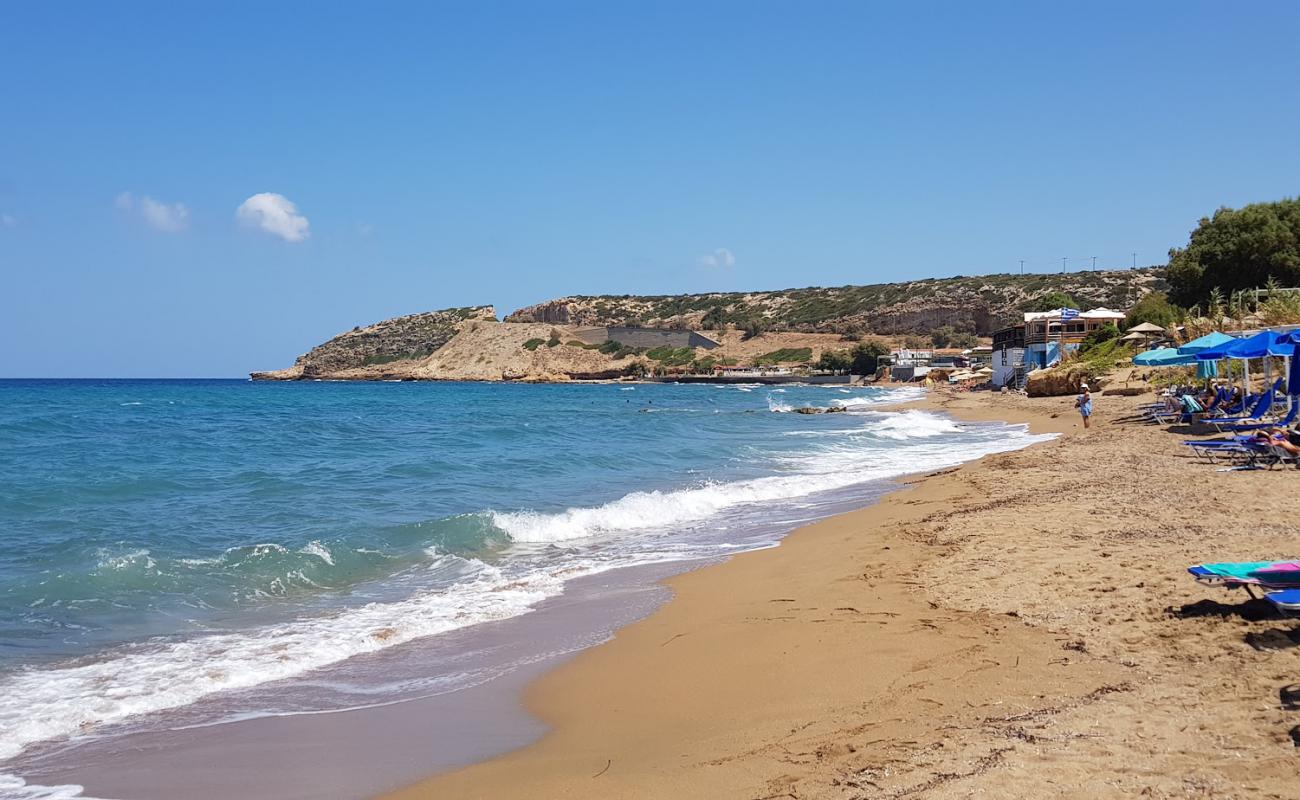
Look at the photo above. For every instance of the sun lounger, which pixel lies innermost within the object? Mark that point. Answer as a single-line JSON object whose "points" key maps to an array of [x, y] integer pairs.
{"points": [[1285, 422], [1287, 600], [1262, 406], [1239, 448], [1267, 574]]}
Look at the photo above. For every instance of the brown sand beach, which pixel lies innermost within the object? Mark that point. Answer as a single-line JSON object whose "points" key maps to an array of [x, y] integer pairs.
{"points": [[1019, 627]]}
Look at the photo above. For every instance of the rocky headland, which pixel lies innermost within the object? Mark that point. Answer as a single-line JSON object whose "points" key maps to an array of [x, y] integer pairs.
{"points": [[550, 341]]}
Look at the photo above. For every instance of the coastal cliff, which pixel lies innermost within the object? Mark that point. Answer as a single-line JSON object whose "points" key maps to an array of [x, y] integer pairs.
{"points": [[546, 342]]}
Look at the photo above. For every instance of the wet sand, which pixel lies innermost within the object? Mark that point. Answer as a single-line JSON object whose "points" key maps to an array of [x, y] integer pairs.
{"points": [[1020, 626]]}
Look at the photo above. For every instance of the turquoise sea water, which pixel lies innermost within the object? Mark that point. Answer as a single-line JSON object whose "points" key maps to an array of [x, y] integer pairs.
{"points": [[167, 541]]}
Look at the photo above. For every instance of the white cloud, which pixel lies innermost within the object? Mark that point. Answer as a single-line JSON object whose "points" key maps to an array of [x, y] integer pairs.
{"points": [[722, 258], [162, 216], [365, 229], [8, 220], [170, 217], [275, 214]]}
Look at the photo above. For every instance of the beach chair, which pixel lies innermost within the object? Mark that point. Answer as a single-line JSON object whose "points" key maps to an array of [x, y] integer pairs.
{"points": [[1249, 575], [1285, 422], [1287, 601], [1238, 448], [1261, 407]]}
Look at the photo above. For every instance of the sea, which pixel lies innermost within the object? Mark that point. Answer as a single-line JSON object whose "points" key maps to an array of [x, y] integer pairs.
{"points": [[177, 554]]}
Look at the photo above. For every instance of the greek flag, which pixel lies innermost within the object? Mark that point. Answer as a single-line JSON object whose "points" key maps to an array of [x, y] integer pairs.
{"points": [[1069, 313]]}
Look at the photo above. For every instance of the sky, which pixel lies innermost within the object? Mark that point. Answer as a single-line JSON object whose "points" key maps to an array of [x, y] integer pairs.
{"points": [[204, 189]]}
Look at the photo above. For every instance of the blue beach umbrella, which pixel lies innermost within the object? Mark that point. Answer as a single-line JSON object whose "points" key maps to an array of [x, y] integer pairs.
{"points": [[1162, 357], [1209, 340]]}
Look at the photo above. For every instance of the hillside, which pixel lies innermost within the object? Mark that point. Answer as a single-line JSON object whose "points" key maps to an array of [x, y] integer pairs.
{"points": [[972, 304], [794, 326]]}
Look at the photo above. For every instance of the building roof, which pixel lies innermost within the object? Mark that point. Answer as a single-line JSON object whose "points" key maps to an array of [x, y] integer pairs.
{"points": [[1096, 313]]}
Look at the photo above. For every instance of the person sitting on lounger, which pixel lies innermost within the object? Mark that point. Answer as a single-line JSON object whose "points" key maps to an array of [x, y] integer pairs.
{"points": [[1280, 437]]}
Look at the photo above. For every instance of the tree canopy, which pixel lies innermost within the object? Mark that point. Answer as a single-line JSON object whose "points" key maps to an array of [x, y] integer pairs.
{"points": [[1052, 301], [1154, 308], [865, 356], [1238, 249]]}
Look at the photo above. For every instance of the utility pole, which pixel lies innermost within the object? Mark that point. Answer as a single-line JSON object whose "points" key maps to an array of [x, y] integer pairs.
{"points": [[1063, 260], [1094, 263], [1135, 261], [1022, 266]]}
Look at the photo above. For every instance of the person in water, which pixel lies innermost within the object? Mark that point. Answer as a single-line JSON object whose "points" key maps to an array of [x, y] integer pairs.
{"points": [[1084, 403]]}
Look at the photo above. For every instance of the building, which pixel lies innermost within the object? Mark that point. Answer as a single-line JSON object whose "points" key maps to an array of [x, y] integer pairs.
{"points": [[909, 365], [1041, 340], [1008, 356]]}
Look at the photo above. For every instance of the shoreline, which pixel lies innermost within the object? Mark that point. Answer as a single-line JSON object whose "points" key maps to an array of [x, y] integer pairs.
{"points": [[551, 696], [832, 665]]}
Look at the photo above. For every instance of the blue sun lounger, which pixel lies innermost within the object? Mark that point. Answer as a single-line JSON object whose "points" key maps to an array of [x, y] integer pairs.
{"points": [[1285, 422], [1262, 406], [1287, 600]]}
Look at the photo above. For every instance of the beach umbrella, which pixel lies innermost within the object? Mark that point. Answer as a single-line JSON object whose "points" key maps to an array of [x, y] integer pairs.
{"points": [[1261, 345], [1206, 342], [1293, 370], [1146, 327], [1163, 357]]}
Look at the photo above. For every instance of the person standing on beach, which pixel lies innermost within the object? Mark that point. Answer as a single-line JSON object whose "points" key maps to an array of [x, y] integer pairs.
{"points": [[1084, 403]]}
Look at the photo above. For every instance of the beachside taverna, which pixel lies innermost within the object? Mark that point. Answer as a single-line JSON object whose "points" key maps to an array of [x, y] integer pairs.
{"points": [[1040, 340]]}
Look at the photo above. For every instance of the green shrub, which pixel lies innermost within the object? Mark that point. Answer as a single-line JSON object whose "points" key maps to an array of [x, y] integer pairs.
{"points": [[671, 356], [1156, 309], [533, 344], [786, 355], [1103, 334]]}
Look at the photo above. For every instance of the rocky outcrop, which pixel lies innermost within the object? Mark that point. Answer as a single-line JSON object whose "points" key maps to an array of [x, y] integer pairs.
{"points": [[371, 350], [554, 312], [1059, 381]]}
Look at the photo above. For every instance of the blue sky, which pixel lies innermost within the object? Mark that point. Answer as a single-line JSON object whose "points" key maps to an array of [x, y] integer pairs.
{"points": [[397, 157]]}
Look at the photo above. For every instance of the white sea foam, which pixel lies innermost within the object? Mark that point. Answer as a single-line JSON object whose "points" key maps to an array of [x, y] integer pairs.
{"points": [[319, 550], [778, 406], [48, 703], [912, 424], [825, 469], [903, 394], [13, 787]]}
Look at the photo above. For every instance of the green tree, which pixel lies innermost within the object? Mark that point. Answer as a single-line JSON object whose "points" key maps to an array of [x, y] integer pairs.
{"points": [[866, 356], [1051, 302], [834, 361], [1156, 309], [965, 340], [1105, 333], [754, 326], [714, 319], [1238, 249], [942, 336]]}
